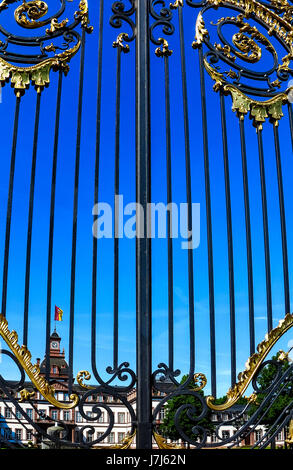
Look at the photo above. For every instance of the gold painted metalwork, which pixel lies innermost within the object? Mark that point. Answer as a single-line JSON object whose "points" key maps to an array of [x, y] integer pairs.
{"points": [[289, 439], [226, 50], [200, 382], [259, 111], [5, 3], [25, 395], [23, 356], [200, 31], [163, 444], [119, 42], [176, 4], [252, 365], [126, 442], [247, 49], [83, 15], [38, 75], [56, 26], [165, 51], [28, 14], [84, 375]]}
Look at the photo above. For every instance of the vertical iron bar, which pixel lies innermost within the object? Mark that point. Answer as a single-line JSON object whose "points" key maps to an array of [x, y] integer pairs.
{"points": [[116, 212], [291, 121], [75, 210], [9, 207], [282, 218], [265, 229], [230, 241], [143, 242], [96, 190], [52, 220], [209, 225], [248, 237], [188, 193], [30, 221], [169, 216]]}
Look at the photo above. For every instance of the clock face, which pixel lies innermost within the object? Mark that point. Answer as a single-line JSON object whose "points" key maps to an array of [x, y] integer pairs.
{"points": [[54, 345]]}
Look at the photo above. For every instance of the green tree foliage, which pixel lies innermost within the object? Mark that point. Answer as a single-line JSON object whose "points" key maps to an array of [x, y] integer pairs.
{"points": [[168, 428], [264, 380]]}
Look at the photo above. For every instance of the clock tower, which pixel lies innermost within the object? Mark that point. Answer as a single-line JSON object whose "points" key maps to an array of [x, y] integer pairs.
{"points": [[59, 370], [55, 345]]}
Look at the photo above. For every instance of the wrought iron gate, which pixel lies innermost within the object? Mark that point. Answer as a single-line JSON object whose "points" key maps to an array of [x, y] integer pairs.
{"points": [[169, 101]]}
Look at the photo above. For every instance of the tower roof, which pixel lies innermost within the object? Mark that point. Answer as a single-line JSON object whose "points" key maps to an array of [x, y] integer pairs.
{"points": [[55, 335]]}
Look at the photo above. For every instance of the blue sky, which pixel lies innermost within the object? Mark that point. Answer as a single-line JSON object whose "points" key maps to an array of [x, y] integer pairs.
{"points": [[64, 207]]}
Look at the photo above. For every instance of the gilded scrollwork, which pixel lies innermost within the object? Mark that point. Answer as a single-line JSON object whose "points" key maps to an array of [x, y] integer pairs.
{"points": [[262, 98], [165, 51], [28, 14], [31, 15], [252, 365], [23, 356]]}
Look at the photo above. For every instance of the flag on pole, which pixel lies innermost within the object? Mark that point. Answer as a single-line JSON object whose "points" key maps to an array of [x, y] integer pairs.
{"points": [[58, 313]]}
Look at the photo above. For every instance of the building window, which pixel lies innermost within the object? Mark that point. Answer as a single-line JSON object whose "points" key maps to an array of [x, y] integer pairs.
{"points": [[54, 414], [279, 436], [258, 435], [111, 438], [214, 437], [121, 418], [66, 415], [66, 397], [29, 435], [78, 417], [101, 418], [18, 434], [42, 414], [121, 436], [225, 435], [29, 412], [214, 417], [162, 414], [89, 437], [99, 435], [100, 398], [7, 413], [18, 414]]}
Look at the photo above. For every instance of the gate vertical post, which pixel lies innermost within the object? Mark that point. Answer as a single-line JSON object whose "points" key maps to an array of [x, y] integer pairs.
{"points": [[143, 242]]}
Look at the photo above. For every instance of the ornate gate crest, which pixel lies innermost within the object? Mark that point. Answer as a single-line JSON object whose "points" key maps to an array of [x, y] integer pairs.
{"points": [[50, 54]]}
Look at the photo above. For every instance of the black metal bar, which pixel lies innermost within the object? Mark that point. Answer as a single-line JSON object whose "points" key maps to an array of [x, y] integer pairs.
{"points": [[143, 243], [75, 209], [30, 221], [266, 230], [248, 237], [51, 225], [169, 216], [282, 218], [230, 241], [96, 191], [9, 207], [209, 226], [116, 212], [290, 112], [188, 195]]}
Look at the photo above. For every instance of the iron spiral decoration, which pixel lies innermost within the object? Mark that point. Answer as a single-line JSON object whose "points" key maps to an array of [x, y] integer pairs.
{"points": [[249, 54], [58, 42]]}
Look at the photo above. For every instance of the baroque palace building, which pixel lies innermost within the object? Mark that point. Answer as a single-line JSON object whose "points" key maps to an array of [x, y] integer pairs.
{"points": [[14, 427]]}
